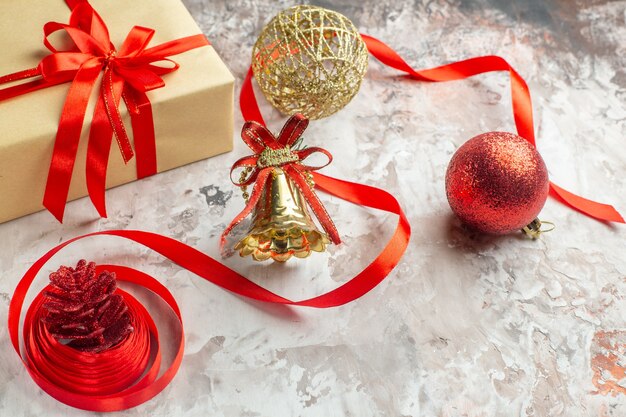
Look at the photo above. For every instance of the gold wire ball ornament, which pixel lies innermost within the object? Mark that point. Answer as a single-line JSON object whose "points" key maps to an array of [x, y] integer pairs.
{"points": [[309, 60]]}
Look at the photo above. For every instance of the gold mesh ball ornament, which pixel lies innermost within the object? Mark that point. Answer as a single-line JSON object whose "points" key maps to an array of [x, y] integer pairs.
{"points": [[309, 60]]}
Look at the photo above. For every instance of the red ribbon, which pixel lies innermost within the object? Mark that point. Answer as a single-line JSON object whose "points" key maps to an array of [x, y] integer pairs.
{"points": [[259, 138], [522, 109], [120, 396], [93, 381], [51, 377], [127, 73]]}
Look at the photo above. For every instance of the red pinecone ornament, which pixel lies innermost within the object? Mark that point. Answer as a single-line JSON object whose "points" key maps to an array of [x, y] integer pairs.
{"points": [[83, 310]]}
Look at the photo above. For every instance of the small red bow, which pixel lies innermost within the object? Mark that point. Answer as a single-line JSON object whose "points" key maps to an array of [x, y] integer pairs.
{"points": [[262, 142], [128, 73]]}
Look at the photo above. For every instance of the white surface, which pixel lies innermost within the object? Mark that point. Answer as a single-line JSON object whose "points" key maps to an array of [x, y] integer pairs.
{"points": [[467, 325]]}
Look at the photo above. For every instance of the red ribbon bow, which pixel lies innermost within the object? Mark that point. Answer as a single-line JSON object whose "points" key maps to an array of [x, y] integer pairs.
{"points": [[261, 140], [128, 73]]}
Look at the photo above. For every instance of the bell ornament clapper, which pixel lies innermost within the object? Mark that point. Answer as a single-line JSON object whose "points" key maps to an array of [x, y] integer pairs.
{"points": [[281, 224]]}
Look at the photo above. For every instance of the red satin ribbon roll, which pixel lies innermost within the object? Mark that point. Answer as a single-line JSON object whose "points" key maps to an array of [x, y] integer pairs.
{"points": [[93, 381]]}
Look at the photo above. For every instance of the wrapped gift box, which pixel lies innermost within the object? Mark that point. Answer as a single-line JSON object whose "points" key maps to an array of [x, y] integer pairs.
{"points": [[193, 113]]}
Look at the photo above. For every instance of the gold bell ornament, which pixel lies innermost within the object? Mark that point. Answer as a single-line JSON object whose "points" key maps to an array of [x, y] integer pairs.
{"points": [[281, 224], [281, 196], [309, 60]]}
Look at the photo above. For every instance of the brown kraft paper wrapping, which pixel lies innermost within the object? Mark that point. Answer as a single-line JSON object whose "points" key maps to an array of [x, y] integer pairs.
{"points": [[193, 113]]}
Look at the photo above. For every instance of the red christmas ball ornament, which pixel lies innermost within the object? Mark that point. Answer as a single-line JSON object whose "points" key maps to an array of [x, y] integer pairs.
{"points": [[497, 183]]}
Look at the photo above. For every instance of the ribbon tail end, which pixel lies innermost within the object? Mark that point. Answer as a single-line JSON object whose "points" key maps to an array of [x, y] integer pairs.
{"points": [[98, 201], [102, 212], [57, 211], [127, 156], [599, 211]]}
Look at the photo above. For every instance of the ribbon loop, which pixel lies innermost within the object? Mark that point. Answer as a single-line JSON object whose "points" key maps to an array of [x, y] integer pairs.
{"points": [[293, 129], [305, 153], [248, 163], [257, 137], [136, 41]]}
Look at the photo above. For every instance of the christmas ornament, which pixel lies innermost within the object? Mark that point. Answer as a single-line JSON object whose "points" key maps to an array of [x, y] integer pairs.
{"points": [[281, 224], [88, 343], [283, 186], [497, 183], [84, 310], [309, 60]]}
